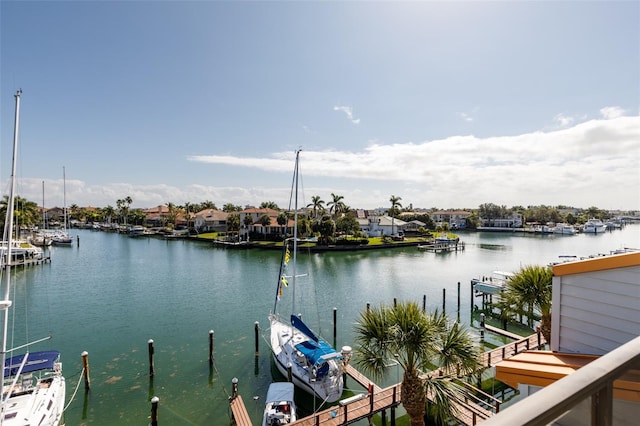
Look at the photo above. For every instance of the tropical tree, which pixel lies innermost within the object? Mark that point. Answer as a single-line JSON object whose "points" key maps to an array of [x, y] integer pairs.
{"points": [[528, 293], [233, 222], [108, 213], [173, 213], [265, 220], [335, 205], [207, 205], [282, 219], [416, 341], [269, 205], [317, 204], [395, 205], [26, 212]]}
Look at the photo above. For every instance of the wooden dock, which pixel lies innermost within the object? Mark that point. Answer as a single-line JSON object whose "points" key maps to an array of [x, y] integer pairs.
{"points": [[239, 411], [471, 409], [438, 247]]}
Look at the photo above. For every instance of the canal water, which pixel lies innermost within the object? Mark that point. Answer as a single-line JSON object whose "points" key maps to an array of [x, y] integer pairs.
{"points": [[110, 294]]}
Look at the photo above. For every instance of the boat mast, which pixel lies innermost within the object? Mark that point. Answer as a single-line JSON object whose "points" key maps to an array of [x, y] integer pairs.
{"points": [[64, 197], [6, 303], [295, 234]]}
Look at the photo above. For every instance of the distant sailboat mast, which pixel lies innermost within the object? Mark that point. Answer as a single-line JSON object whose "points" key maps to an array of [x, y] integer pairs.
{"points": [[64, 196]]}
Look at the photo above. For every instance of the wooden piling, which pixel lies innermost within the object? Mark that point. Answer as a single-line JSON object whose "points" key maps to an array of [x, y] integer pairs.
{"points": [[482, 327], [444, 300], [424, 303], [335, 322], [85, 366], [256, 333], [154, 411], [234, 388], [289, 373], [211, 347], [151, 352]]}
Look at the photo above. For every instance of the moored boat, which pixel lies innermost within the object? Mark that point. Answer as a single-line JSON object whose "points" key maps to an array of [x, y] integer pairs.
{"points": [[33, 388], [312, 363], [280, 408], [594, 226], [564, 229], [491, 284]]}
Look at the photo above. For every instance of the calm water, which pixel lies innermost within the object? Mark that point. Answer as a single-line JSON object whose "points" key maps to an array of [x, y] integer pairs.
{"points": [[112, 294]]}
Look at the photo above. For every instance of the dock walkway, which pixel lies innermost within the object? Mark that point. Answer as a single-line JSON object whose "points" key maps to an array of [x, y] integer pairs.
{"points": [[471, 410]]}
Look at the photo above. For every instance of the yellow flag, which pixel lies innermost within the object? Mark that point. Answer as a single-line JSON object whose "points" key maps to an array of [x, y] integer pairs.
{"points": [[284, 281], [287, 256]]}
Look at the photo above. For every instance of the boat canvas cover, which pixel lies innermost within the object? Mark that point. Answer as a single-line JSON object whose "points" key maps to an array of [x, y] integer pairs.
{"points": [[280, 391], [36, 361], [316, 350]]}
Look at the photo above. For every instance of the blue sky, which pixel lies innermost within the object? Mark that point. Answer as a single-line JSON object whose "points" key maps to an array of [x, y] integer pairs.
{"points": [[444, 104]]}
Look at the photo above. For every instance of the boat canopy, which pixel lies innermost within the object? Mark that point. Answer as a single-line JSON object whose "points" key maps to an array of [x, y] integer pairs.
{"points": [[36, 361], [316, 350], [280, 391]]}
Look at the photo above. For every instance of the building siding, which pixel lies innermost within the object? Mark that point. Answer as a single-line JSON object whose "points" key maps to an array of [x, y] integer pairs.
{"points": [[597, 311]]}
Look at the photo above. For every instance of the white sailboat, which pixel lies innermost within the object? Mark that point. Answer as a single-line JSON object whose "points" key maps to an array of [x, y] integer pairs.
{"points": [[313, 364], [33, 388], [62, 237]]}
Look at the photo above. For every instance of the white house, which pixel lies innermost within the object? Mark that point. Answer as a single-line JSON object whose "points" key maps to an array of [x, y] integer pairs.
{"points": [[211, 220]]}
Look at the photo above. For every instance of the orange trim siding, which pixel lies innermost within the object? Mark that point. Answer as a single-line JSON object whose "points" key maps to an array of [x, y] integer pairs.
{"points": [[542, 368], [597, 264]]}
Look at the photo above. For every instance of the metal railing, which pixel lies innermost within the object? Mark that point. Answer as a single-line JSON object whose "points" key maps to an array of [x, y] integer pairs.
{"points": [[594, 380]]}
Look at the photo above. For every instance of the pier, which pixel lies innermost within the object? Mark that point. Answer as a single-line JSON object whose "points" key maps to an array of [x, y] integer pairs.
{"points": [[438, 247], [472, 409]]}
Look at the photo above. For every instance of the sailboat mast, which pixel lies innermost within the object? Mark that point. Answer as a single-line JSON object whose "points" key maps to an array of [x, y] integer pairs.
{"points": [[64, 196], [8, 226], [295, 234]]}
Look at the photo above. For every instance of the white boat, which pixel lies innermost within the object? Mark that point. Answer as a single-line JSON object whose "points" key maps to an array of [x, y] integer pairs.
{"points": [[594, 226], [279, 408], [21, 250], [564, 229], [137, 231], [33, 388], [61, 237], [312, 363], [491, 284]]}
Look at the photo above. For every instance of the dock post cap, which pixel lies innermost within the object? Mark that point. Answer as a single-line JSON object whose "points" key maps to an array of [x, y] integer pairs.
{"points": [[84, 353], [150, 341], [155, 400]]}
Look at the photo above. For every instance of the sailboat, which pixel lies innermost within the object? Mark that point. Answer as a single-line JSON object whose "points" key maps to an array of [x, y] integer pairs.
{"points": [[33, 388], [313, 365], [62, 238]]}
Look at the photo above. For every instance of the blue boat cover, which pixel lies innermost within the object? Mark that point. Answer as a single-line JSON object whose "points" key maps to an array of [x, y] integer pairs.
{"points": [[316, 350], [280, 391], [35, 362]]}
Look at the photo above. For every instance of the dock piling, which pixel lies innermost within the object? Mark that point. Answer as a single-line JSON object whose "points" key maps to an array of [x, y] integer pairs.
{"points": [[85, 366], [211, 347], [154, 411], [256, 332], [151, 352], [335, 321]]}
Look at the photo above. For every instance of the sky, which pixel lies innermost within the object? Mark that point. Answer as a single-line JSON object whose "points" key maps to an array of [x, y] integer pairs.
{"points": [[443, 104]]}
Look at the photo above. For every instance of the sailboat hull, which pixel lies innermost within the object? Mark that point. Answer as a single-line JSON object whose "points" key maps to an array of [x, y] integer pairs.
{"points": [[44, 405], [284, 339]]}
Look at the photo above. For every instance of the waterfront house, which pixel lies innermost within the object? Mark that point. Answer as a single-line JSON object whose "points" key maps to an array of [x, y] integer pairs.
{"points": [[457, 219], [210, 220], [595, 310], [514, 221], [376, 226]]}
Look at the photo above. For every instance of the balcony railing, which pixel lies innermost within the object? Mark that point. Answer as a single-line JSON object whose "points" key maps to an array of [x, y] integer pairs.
{"points": [[594, 380]]}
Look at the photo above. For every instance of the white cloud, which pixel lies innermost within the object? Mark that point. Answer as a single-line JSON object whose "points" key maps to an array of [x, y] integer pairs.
{"points": [[466, 117], [563, 120], [594, 163], [612, 112], [348, 112]]}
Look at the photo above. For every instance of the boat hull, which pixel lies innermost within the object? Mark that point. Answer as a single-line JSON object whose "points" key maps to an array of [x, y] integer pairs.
{"points": [[283, 340]]}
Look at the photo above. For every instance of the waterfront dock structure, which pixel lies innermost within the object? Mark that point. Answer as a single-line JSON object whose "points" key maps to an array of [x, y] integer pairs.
{"points": [[471, 410], [438, 247]]}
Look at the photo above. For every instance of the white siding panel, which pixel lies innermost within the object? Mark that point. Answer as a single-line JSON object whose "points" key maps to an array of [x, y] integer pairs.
{"points": [[596, 311]]}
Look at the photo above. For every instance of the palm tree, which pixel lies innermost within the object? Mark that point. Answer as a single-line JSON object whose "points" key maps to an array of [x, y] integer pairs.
{"points": [[335, 205], [317, 204], [417, 341], [529, 292], [395, 204]]}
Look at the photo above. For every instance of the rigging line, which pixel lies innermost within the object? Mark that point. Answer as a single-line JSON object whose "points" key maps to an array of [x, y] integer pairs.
{"points": [[75, 391]]}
